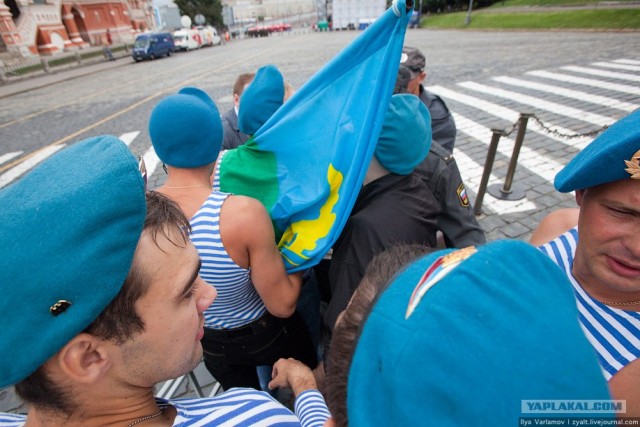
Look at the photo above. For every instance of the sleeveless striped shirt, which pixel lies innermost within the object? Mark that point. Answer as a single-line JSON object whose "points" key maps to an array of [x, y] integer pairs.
{"points": [[238, 302], [614, 333], [216, 171]]}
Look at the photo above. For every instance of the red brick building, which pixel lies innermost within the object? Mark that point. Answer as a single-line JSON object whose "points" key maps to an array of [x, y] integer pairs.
{"points": [[46, 27]]}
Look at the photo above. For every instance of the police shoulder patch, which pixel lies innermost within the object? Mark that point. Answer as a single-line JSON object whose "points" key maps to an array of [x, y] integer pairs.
{"points": [[462, 196]]}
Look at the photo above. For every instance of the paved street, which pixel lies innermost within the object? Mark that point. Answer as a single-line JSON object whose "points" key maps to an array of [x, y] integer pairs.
{"points": [[574, 82]]}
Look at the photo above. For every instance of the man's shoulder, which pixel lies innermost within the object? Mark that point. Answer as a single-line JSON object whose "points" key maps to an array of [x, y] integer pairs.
{"points": [[12, 420], [236, 402], [230, 116], [431, 100], [437, 154]]}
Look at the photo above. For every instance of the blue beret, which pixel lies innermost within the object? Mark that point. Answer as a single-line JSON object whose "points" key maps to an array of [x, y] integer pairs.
{"points": [[260, 99], [186, 129], [68, 235], [405, 137], [603, 160], [497, 328]]}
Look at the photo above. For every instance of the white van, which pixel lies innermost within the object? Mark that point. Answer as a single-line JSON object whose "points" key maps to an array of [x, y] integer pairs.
{"points": [[186, 39], [209, 36]]}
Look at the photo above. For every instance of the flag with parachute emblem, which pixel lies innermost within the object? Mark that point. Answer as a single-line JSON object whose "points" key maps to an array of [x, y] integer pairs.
{"points": [[306, 164]]}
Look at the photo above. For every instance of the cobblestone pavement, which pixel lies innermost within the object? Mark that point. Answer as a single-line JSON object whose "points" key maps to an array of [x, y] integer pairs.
{"points": [[569, 99]]}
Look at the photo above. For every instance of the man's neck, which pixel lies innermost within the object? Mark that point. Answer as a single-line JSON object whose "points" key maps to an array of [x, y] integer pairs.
{"points": [[375, 171], [117, 411]]}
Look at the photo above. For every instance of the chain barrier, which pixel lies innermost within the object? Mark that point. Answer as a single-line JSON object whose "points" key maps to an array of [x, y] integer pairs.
{"points": [[514, 126], [506, 192], [548, 129]]}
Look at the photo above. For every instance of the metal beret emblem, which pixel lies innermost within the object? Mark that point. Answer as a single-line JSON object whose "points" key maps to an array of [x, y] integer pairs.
{"points": [[633, 165], [60, 307]]}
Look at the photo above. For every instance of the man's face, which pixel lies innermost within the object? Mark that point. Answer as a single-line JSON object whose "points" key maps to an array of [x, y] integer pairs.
{"points": [[172, 312], [414, 84], [607, 261]]}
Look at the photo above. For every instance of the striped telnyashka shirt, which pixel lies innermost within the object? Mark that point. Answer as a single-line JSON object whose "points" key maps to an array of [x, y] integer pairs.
{"points": [[237, 407], [614, 333], [238, 302]]}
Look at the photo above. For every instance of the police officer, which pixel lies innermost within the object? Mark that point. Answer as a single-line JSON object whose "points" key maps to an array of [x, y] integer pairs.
{"points": [[442, 124], [440, 172]]}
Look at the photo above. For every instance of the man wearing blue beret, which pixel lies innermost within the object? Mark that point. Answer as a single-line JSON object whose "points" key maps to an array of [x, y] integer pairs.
{"points": [[254, 321], [601, 255], [101, 300]]}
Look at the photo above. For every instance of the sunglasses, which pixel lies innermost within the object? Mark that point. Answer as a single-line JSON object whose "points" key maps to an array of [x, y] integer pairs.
{"points": [[143, 171]]}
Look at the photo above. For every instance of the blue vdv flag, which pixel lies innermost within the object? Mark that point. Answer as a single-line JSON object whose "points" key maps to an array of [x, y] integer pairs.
{"points": [[306, 164]]}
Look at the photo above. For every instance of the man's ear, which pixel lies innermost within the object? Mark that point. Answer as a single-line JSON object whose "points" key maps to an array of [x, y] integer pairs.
{"points": [[579, 197], [84, 359]]}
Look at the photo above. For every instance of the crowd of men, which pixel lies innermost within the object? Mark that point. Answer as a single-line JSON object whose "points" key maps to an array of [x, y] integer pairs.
{"points": [[110, 288]]}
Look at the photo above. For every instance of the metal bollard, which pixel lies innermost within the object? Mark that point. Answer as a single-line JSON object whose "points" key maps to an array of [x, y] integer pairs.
{"points": [[78, 57], [506, 192], [488, 165]]}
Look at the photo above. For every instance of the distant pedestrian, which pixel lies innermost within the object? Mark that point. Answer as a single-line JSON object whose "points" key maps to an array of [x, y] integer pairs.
{"points": [[107, 48], [233, 137]]}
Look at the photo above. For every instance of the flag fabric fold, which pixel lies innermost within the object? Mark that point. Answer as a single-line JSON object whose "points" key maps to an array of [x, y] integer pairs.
{"points": [[306, 164]]}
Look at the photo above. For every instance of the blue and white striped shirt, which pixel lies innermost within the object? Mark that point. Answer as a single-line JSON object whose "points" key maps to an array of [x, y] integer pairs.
{"points": [[216, 171], [614, 333], [238, 303], [236, 407]]}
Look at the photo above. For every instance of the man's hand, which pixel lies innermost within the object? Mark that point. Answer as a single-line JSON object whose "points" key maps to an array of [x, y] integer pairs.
{"points": [[292, 374]]}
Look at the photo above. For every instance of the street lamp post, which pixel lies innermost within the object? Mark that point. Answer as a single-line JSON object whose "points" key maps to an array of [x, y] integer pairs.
{"points": [[467, 21]]}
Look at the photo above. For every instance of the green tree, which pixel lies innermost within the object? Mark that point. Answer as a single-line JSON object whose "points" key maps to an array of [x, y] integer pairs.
{"points": [[210, 9]]}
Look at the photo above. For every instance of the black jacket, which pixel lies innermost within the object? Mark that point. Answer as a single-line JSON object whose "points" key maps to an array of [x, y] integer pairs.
{"points": [[391, 210]]}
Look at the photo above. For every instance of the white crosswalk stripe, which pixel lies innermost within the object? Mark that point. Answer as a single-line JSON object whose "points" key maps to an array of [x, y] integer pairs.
{"points": [[569, 93], [28, 164], [617, 66], [128, 137], [151, 161], [602, 73], [617, 87], [6, 157], [539, 103], [627, 61], [471, 173], [505, 113], [538, 165]]}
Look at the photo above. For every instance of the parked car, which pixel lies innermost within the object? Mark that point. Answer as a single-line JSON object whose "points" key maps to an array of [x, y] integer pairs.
{"points": [[209, 36], [151, 46], [187, 39]]}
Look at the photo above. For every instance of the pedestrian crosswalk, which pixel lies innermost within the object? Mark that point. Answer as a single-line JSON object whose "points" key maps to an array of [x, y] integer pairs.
{"points": [[569, 99]]}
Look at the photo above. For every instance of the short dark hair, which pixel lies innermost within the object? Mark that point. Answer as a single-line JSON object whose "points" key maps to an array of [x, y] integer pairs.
{"points": [[241, 82], [382, 268], [119, 321]]}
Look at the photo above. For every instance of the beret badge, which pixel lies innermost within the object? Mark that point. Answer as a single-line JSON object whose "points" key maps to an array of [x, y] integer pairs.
{"points": [[633, 165], [59, 307], [440, 268]]}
